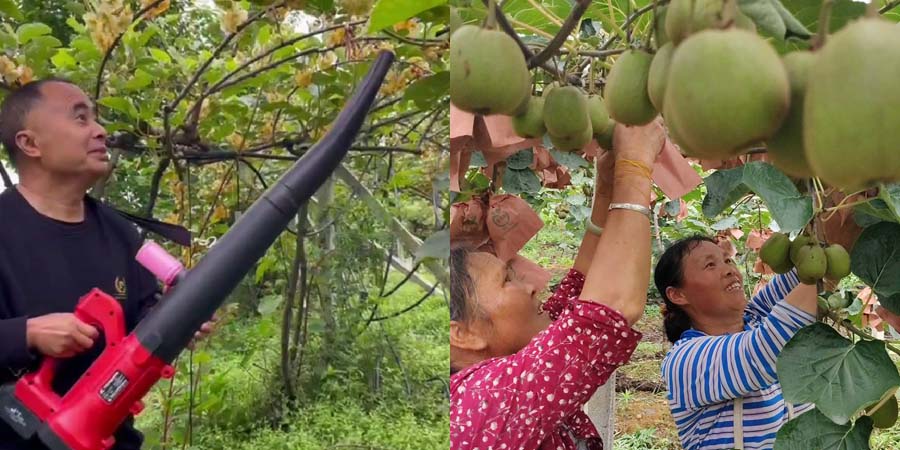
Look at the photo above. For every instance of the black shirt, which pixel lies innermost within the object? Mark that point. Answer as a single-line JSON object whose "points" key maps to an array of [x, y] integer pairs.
{"points": [[46, 266]]}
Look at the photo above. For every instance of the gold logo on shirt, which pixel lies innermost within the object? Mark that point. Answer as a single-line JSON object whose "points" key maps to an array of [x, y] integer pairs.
{"points": [[121, 288]]}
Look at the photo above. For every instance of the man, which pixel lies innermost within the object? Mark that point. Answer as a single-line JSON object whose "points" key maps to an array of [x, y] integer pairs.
{"points": [[56, 243]]}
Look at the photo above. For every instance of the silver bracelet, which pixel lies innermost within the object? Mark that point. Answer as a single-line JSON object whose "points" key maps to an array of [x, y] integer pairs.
{"points": [[631, 206], [591, 227]]}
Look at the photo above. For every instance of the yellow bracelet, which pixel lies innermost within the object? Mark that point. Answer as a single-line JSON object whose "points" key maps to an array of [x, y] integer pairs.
{"points": [[641, 167], [624, 171]]}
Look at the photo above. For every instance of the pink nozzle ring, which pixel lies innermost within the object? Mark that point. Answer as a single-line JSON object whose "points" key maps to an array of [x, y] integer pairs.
{"points": [[159, 262]]}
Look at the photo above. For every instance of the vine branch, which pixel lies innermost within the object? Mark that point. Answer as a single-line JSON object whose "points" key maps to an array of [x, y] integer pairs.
{"points": [[891, 5], [574, 18], [851, 328], [507, 28]]}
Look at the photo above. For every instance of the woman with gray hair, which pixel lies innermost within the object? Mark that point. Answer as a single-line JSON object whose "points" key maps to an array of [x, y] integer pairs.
{"points": [[520, 377]]}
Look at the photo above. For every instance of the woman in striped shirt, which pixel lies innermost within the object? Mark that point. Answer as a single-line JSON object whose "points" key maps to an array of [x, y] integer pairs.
{"points": [[720, 372]]}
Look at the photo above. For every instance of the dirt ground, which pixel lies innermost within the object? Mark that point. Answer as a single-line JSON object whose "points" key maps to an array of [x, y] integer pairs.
{"points": [[640, 400]]}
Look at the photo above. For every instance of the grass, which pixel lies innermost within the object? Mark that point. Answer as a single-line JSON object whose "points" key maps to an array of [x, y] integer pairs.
{"points": [[235, 407], [643, 439], [553, 248]]}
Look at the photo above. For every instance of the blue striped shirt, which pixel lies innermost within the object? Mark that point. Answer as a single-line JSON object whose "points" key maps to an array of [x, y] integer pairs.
{"points": [[704, 374]]}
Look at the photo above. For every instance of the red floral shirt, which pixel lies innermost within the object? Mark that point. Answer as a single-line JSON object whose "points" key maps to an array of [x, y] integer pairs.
{"points": [[533, 399]]}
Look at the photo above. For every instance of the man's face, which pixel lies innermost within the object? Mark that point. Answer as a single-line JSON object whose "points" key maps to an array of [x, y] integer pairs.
{"points": [[65, 138]]}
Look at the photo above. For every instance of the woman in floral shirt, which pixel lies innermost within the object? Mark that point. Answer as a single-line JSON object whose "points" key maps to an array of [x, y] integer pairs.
{"points": [[519, 381]]}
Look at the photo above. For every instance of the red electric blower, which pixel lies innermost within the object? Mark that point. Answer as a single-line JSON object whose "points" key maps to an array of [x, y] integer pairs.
{"points": [[86, 416]]}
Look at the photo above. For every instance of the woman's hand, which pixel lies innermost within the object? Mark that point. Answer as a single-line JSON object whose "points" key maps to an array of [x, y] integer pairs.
{"points": [[639, 143]]}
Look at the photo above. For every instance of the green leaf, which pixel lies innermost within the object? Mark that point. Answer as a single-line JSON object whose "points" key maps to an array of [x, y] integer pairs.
{"points": [[794, 27], [62, 59], [813, 430], [160, 55], [723, 188], [876, 210], [579, 213], [269, 304], [75, 25], [855, 307], [890, 194], [424, 92], [875, 258], [577, 199], [791, 209], [30, 31], [405, 178], [7, 40], [264, 265], [120, 104], [570, 160], [436, 246], [519, 181], [478, 182], [890, 303], [202, 357], [140, 80], [765, 15], [820, 366], [9, 8], [477, 160], [388, 12], [725, 223], [673, 207], [86, 48], [520, 160], [264, 34], [842, 11]]}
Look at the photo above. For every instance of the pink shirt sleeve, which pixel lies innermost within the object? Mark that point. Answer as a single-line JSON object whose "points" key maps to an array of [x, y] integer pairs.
{"points": [[518, 400]]}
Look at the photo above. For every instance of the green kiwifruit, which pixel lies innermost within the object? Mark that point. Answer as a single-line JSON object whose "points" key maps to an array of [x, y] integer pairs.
{"points": [[488, 74], [838, 262], [798, 243], [658, 75], [626, 89], [662, 38], [573, 142], [686, 17], [531, 123], [455, 20], [726, 90], [785, 148], [811, 264], [605, 139], [850, 115], [598, 113], [566, 113], [776, 253], [678, 20]]}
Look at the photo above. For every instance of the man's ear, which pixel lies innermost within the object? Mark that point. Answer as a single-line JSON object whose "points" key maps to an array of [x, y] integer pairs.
{"points": [[463, 337], [676, 295], [27, 143]]}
